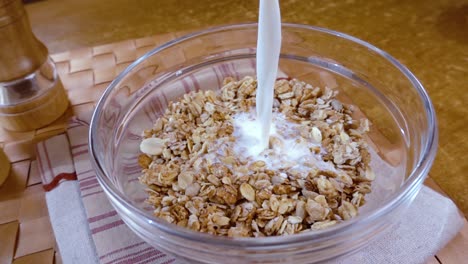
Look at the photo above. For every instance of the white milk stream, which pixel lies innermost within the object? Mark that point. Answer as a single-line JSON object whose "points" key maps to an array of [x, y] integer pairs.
{"points": [[268, 51]]}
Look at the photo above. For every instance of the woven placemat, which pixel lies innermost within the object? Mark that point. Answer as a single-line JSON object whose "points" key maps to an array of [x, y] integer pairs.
{"points": [[25, 232]]}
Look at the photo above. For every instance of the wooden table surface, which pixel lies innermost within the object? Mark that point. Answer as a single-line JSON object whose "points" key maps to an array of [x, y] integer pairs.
{"points": [[430, 38]]}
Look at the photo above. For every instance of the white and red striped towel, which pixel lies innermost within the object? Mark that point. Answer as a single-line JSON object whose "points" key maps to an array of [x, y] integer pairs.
{"points": [[87, 228]]}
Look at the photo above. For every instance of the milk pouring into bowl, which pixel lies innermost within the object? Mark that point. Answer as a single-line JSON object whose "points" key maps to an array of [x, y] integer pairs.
{"points": [[268, 51]]}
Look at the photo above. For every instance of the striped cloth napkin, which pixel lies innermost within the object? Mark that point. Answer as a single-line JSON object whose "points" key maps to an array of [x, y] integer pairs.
{"points": [[86, 226]]}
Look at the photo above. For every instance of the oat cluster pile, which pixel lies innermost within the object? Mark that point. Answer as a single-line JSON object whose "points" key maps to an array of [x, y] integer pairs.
{"points": [[196, 180]]}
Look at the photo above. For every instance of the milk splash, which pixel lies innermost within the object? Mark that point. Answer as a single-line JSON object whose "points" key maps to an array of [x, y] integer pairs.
{"points": [[268, 51], [249, 137], [289, 149]]}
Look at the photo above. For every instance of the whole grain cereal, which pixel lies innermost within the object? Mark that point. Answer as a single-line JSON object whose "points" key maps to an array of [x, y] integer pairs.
{"points": [[201, 173]]}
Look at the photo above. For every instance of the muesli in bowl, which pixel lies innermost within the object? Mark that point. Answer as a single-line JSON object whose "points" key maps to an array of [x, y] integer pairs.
{"points": [[203, 171]]}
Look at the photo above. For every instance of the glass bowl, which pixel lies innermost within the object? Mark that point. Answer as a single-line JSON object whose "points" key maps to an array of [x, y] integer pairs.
{"points": [[403, 137]]}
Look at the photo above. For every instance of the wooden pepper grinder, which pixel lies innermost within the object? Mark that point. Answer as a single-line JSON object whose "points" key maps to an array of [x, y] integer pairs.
{"points": [[31, 93]]}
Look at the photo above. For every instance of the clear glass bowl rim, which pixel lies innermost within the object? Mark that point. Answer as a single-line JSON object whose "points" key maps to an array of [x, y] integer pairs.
{"points": [[411, 185]]}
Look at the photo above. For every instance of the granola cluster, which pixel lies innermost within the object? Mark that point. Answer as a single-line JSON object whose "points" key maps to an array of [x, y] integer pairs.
{"points": [[197, 180]]}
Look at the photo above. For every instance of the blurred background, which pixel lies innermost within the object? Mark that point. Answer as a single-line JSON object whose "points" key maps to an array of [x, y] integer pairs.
{"points": [[429, 37]]}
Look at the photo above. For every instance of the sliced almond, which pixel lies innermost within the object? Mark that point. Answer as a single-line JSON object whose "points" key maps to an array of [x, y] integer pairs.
{"points": [[193, 189], [316, 135], [152, 146], [247, 191], [294, 219], [185, 179], [221, 220], [370, 175], [214, 180]]}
